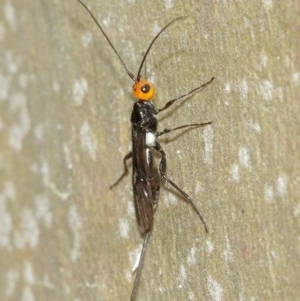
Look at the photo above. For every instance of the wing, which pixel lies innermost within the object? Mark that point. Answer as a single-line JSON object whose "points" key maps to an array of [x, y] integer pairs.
{"points": [[144, 207], [145, 180]]}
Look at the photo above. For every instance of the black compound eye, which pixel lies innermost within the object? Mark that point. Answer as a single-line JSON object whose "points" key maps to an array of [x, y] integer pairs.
{"points": [[145, 88]]}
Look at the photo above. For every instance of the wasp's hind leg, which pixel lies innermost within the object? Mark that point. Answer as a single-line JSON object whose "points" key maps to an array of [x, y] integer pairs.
{"points": [[162, 169]]}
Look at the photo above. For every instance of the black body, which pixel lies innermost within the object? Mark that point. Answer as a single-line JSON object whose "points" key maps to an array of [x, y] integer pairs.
{"points": [[145, 177]]}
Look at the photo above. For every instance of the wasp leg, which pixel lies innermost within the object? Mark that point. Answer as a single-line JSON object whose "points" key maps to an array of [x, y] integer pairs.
{"points": [[125, 173], [195, 90], [162, 169], [192, 125]]}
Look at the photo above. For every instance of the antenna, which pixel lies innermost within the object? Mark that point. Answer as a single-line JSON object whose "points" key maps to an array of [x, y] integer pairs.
{"points": [[151, 44], [108, 40]]}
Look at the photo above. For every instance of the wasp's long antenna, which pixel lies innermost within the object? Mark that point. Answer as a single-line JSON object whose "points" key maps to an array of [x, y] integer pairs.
{"points": [[152, 42], [108, 40]]}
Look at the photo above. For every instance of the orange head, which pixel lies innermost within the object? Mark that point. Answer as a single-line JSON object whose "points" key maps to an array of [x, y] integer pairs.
{"points": [[143, 90]]}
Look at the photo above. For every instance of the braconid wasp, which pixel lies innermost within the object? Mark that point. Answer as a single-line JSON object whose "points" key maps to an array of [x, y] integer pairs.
{"points": [[145, 175]]}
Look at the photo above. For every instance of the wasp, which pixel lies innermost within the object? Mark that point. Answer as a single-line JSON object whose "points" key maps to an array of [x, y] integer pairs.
{"points": [[146, 177]]}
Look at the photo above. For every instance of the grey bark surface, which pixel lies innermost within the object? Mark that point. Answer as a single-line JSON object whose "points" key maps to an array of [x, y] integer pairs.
{"points": [[64, 128]]}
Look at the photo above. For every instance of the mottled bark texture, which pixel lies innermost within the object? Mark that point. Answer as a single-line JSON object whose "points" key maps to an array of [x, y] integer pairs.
{"points": [[64, 128]]}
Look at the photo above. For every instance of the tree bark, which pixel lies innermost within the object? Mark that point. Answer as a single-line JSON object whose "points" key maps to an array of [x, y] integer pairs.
{"points": [[65, 108]]}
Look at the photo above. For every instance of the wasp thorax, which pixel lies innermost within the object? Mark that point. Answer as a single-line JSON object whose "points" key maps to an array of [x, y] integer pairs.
{"points": [[143, 90]]}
